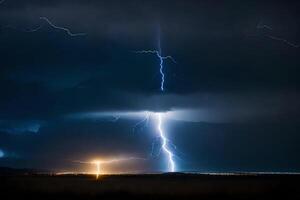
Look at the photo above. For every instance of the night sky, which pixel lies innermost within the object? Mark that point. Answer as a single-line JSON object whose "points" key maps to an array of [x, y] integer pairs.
{"points": [[234, 88]]}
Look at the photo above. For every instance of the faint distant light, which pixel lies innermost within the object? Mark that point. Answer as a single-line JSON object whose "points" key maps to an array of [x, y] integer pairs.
{"points": [[14, 127], [34, 128], [1, 154]]}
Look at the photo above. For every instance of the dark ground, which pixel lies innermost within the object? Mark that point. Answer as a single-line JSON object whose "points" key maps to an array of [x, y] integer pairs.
{"points": [[158, 186]]}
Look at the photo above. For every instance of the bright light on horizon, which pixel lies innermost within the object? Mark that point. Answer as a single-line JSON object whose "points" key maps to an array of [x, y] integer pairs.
{"points": [[166, 146], [97, 163]]}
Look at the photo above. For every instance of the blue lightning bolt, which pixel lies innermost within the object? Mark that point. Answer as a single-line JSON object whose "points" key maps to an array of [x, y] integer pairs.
{"points": [[283, 40], [143, 123], [165, 146], [161, 64], [62, 28], [24, 30], [41, 26]]}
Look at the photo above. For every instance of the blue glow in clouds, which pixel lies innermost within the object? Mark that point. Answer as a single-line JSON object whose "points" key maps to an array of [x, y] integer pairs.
{"points": [[1, 154]]}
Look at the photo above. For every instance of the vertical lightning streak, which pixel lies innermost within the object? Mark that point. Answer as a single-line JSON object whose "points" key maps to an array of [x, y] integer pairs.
{"points": [[98, 169], [161, 64], [165, 144], [97, 164], [164, 140], [161, 72]]}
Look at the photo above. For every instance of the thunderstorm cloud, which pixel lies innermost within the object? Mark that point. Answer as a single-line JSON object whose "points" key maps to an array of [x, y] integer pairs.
{"points": [[231, 89]]}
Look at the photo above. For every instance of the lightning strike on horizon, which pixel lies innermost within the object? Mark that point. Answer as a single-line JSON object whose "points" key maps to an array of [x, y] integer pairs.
{"points": [[161, 59], [161, 144], [98, 163], [165, 142], [152, 154], [165, 146], [62, 28]]}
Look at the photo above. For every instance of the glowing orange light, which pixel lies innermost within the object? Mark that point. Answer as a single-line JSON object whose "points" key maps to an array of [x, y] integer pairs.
{"points": [[97, 163]]}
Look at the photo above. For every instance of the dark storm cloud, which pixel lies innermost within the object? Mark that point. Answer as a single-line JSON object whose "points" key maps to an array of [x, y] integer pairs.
{"points": [[211, 43], [208, 30], [212, 108], [228, 72], [61, 143], [195, 33]]}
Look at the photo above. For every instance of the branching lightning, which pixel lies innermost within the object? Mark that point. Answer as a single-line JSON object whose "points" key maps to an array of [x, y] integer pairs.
{"points": [[161, 64], [160, 145], [62, 28], [41, 26], [165, 144], [142, 123], [24, 30], [272, 37], [263, 26], [283, 40]]}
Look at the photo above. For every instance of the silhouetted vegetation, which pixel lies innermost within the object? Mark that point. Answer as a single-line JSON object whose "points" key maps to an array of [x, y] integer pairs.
{"points": [[154, 186]]}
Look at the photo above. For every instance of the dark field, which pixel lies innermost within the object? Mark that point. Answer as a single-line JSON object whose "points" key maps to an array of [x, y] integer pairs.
{"points": [[156, 186]]}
